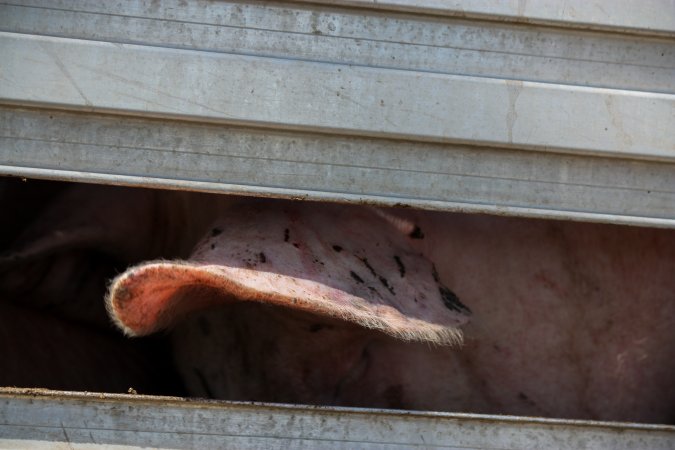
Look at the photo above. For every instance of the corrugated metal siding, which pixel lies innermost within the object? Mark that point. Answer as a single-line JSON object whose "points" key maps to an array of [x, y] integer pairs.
{"points": [[544, 109], [32, 419], [548, 110]]}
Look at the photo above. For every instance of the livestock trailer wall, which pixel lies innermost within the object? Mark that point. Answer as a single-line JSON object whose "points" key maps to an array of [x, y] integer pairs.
{"points": [[541, 109]]}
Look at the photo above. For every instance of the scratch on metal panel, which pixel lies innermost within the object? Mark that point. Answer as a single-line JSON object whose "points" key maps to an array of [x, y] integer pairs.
{"points": [[514, 88], [57, 60]]}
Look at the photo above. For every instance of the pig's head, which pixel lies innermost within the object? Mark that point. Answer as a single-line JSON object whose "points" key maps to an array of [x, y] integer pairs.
{"points": [[288, 300]]}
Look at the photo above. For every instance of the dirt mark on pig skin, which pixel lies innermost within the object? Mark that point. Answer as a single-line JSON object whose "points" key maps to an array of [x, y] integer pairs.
{"points": [[382, 279], [526, 399], [386, 284], [451, 301], [434, 273], [416, 233], [401, 267], [368, 266], [357, 278]]}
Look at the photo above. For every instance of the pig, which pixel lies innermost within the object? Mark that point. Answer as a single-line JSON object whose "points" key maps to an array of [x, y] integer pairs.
{"points": [[62, 245], [64, 258], [329, 304], [357, 306]]}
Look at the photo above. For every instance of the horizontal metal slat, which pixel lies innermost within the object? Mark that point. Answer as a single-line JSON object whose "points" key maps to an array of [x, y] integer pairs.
{"points": [[214, 87], [344, 36], [55, 144], [30, 418], [650, 16], [444, 105]]}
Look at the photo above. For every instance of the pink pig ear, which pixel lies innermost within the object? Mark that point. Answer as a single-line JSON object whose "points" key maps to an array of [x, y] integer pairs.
{"points": [[344, 262]]}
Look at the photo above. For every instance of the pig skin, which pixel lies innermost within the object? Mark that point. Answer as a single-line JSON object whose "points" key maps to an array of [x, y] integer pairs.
{"points": [[571, 320], [61, 244], [43, 350], [331, 260], [63, 259]]}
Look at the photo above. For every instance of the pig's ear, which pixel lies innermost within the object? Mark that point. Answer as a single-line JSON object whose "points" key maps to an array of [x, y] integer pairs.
{"points": [[344, 262]]}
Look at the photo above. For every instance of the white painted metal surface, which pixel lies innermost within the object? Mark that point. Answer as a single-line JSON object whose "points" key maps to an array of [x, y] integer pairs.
{"points": [[216, 158], [41, 419], [354, 37], [645, 16], [423, 103], [362, 101]]}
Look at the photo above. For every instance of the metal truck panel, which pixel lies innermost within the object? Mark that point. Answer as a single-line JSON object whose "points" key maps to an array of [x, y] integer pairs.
{"points": [[545, 110], [34, 419]]}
